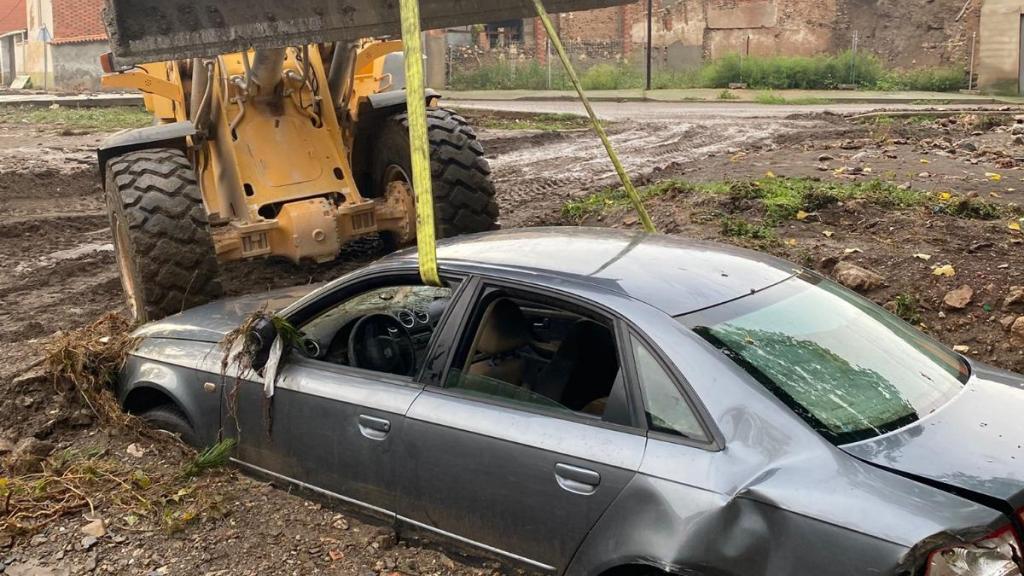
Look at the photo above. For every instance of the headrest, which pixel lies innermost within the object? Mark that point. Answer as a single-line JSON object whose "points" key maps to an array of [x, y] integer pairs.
{"points": [[504, 329]]}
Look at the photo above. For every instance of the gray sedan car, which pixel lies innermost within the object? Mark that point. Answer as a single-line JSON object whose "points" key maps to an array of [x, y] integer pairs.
{"points": [[610, 403]]}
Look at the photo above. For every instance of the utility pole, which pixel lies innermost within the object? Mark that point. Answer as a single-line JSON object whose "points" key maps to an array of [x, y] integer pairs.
{"points": [[970, 78], [650, 41]]}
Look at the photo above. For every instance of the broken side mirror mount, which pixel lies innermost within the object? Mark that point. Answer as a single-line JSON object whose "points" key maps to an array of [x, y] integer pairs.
{"points": [[260, 342]]}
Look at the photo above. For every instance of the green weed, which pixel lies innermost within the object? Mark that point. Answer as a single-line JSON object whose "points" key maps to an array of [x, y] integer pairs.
{"points": [[907, 308], [738, 228]]}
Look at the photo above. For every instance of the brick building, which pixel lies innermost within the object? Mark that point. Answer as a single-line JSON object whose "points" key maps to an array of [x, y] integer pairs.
{"points": [[12, 37], [65, 40]]}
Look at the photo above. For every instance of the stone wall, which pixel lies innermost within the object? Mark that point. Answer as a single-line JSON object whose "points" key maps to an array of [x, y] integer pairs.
{"points": [[903, 33], [999, 66]]}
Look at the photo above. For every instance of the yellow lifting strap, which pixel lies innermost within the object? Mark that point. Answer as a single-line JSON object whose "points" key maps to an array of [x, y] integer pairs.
{"points": [[627, 184], [420, 146], [419, 143]]}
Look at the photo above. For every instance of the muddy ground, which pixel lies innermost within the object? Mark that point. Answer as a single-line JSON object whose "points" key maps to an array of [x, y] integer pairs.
{"points": [[57, 272]]}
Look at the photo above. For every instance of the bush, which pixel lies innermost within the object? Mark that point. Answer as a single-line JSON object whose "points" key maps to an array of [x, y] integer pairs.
{"points": [[611, 77], [503, 76], [820, 72], [925, 79]]}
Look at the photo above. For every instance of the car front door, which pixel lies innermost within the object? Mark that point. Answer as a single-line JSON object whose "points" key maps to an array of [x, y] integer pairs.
{"points": [[528, 438], [331, 425]]}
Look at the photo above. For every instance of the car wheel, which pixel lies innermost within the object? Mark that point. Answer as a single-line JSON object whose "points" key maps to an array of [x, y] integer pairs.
{"points": [[170, 419]]}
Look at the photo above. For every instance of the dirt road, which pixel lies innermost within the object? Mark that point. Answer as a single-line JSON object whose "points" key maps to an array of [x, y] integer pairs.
{"points": [[57, 272]]}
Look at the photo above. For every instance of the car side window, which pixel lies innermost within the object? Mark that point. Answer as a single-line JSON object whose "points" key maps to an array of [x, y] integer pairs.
{"points": [[666, 409], [383, 329], [540, 355]]}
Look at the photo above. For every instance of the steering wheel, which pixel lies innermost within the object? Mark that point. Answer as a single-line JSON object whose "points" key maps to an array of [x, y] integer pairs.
{"points": [[380, 343]]}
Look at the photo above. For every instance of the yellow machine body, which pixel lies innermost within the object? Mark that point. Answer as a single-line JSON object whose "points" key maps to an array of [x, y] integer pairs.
{"points": [[274, 168]]}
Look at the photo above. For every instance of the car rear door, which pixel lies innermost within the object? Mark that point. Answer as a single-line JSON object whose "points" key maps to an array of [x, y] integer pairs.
{"points": [[523, 479]]}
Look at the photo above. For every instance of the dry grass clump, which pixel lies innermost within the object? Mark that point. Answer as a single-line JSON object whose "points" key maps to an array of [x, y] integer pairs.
{"points": [[87, 362], [145, 485]]}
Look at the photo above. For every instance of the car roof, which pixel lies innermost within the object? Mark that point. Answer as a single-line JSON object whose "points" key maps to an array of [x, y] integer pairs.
{"points": [[673, 274]]}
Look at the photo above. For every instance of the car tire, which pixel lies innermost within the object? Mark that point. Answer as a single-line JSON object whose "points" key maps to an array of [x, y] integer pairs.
{"points": [[162, 241], [464, 196], [169, 418]]}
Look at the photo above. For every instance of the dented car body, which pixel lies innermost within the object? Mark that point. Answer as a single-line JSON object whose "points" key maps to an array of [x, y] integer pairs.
{"points": [[599, 402]]}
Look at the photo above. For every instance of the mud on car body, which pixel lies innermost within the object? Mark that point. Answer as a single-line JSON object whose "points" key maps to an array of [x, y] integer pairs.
{"points": [[600, 402]]}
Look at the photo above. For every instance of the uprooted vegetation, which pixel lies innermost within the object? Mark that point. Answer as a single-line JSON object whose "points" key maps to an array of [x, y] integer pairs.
{"points": [[157, 487]]}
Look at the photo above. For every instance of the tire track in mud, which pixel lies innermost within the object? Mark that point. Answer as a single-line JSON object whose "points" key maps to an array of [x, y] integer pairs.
{"points": [[538, 175]]}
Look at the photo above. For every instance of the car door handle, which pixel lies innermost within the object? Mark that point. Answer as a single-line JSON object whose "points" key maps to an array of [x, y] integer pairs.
{"points": [[577, 480], [374, 428]]}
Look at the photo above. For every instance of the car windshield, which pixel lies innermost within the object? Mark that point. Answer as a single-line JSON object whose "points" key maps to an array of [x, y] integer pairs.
{"points": [[850, 369]]}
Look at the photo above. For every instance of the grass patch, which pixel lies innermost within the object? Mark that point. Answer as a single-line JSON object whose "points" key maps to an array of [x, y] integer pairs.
{"points": [[771, 98], [545, 122], [972, 208], [820, 72], [739, 228], [727, 95], [99, 118], [778, 199]]}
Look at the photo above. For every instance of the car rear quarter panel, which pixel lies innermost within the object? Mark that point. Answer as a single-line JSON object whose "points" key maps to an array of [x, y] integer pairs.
{"points": [[167, 366], [775, 491]]}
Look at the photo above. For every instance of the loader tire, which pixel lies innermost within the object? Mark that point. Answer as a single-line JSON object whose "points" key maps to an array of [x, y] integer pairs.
{"points": [[161, 238], [463, 191]]}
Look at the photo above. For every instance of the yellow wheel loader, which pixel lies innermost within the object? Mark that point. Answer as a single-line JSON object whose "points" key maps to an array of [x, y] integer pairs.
{"points": [[279, 130]]}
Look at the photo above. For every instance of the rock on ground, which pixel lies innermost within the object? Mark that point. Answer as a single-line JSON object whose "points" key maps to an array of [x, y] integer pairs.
{"points": [[856, 278], [959, 298]]}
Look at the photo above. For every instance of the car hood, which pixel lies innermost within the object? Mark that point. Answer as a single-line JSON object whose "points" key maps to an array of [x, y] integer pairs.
{"points": [[973, 446], [211, 322]]}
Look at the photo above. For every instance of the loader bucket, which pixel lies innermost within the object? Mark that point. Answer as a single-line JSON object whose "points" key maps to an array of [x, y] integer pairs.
{"points": [[156, 30]]}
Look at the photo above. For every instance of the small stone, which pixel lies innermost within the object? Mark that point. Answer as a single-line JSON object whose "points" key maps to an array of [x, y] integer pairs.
{"points": [[1017, 331], [859, 157], [961, 349], [856, 278], [1007, 321], [1015, 297], [135, 451], [88, 542], [968, 146], [826, 158], [855, 206], [27, 456], [96, 529], [38, 540], [959, 298], [1017, 130], [924, 175]]}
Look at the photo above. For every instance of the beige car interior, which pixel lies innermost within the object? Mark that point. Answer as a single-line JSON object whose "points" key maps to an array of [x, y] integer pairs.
{"points": [[577, 372]]}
